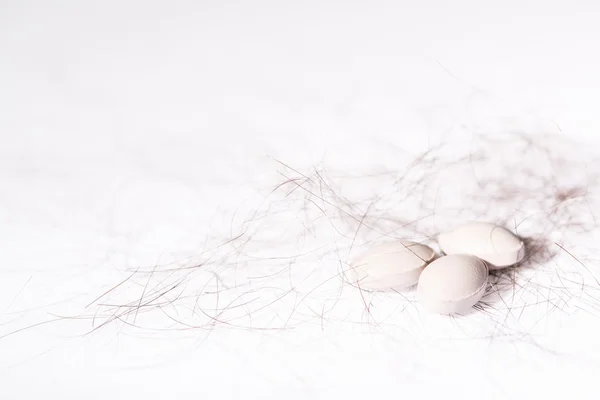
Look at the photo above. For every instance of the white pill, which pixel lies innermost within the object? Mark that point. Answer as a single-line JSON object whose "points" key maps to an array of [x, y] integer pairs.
{"points": [[452, 284], [498, 246], [390, 265]]}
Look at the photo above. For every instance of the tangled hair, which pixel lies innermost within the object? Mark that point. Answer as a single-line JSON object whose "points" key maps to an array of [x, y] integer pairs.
{"points": [[281, 262]]}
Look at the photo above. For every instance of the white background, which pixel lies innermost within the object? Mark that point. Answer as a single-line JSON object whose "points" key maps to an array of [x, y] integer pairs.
{"points": [[126, 127]]}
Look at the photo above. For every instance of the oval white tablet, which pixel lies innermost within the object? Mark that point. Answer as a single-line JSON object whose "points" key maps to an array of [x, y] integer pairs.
{"points": [[452, 284], [498, 246], [390, 265]]}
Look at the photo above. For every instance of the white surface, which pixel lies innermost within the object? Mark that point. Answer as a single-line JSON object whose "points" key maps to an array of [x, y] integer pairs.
{"points": [[130, 131]]}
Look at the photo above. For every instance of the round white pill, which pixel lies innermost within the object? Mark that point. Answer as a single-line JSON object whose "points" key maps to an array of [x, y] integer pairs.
{"points": [[390, 265], [498, 246], [452, 284]]}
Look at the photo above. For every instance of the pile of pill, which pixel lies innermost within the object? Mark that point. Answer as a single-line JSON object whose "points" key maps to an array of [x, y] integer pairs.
{"points": [[446, 284]]}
